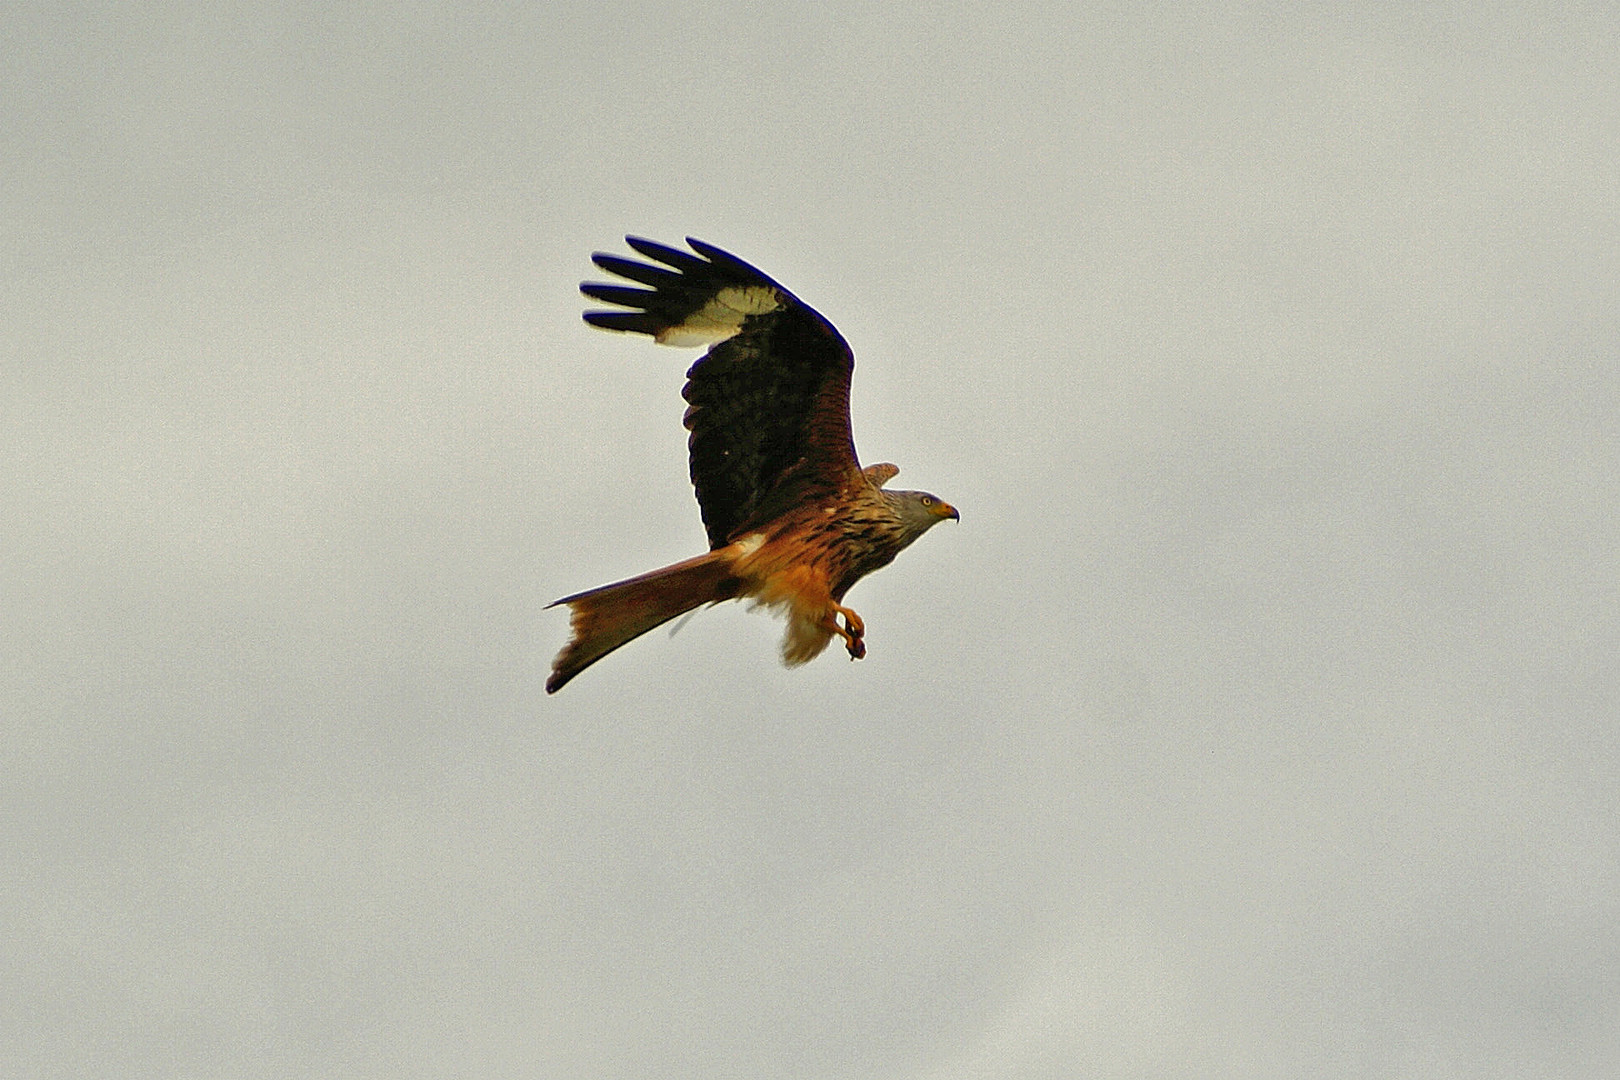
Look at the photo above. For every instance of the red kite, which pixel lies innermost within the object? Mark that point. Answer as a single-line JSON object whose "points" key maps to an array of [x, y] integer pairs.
{"points": [[793, 520]]}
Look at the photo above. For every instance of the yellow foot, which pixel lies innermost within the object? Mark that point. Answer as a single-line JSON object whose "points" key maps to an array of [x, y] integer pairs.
{"points": [[853, 631]]}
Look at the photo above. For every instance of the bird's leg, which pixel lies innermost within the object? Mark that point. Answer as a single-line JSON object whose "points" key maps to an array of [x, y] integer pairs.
{"points": [[852, 640], [853, 631]]}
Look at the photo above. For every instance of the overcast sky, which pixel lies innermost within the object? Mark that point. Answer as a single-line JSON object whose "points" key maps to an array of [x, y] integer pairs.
{"points": [[1258, 720]]}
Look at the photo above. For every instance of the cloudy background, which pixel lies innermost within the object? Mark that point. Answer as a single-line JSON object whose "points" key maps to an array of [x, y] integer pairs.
{"points": [[1259, 720]]}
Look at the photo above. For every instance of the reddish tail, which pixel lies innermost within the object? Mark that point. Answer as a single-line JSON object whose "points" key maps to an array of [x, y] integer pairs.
{"points": [[605, 618]]}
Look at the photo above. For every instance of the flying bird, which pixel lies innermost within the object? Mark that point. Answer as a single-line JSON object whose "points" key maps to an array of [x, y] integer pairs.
{"points": [[793, 520]]}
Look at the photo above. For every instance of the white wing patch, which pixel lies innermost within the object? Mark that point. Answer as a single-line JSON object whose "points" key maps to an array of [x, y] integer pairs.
{"points": [[722, 316]]}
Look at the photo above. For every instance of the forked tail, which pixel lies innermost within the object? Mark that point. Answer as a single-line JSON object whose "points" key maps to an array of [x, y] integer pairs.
{"points": [[607, 617]]}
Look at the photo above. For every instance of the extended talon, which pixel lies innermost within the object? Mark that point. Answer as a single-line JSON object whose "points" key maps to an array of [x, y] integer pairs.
{"points": [[853, 633], [852, 630]]}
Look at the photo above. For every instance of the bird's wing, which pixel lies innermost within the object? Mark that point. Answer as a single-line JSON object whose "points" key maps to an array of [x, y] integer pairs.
{"points": [[768, 403]]}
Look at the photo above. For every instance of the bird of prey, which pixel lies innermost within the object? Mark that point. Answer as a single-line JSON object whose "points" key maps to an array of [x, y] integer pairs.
{"points": [[793, 520]]}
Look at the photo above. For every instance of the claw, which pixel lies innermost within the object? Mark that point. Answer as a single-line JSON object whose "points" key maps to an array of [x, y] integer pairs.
{"points": [[852, 631]]}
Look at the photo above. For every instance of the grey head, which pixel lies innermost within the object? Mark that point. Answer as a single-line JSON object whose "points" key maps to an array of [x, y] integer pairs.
{"points": [[918, 511]]}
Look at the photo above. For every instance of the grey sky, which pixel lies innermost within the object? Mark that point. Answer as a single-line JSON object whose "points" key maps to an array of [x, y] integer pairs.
{"points": [[1258, 720]]}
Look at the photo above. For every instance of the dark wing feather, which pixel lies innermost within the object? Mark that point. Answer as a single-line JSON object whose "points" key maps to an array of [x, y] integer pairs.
{"points": [[768, 404], [635, 271]]}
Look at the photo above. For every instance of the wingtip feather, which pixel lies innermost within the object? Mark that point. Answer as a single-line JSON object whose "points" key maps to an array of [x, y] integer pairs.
{"points": [[665, 254]]}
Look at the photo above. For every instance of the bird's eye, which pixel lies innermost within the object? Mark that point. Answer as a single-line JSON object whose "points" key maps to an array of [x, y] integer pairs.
{"points": [[927, 500]]}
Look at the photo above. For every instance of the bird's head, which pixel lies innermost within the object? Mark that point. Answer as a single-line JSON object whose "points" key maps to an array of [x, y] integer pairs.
{"points": [[920, 511]]}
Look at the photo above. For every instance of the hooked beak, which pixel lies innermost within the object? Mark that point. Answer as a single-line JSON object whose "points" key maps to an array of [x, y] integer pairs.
{"points": [[946, 510]]}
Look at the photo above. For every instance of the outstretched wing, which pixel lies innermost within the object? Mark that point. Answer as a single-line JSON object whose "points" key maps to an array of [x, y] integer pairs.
{"points": [[768, 403]]}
